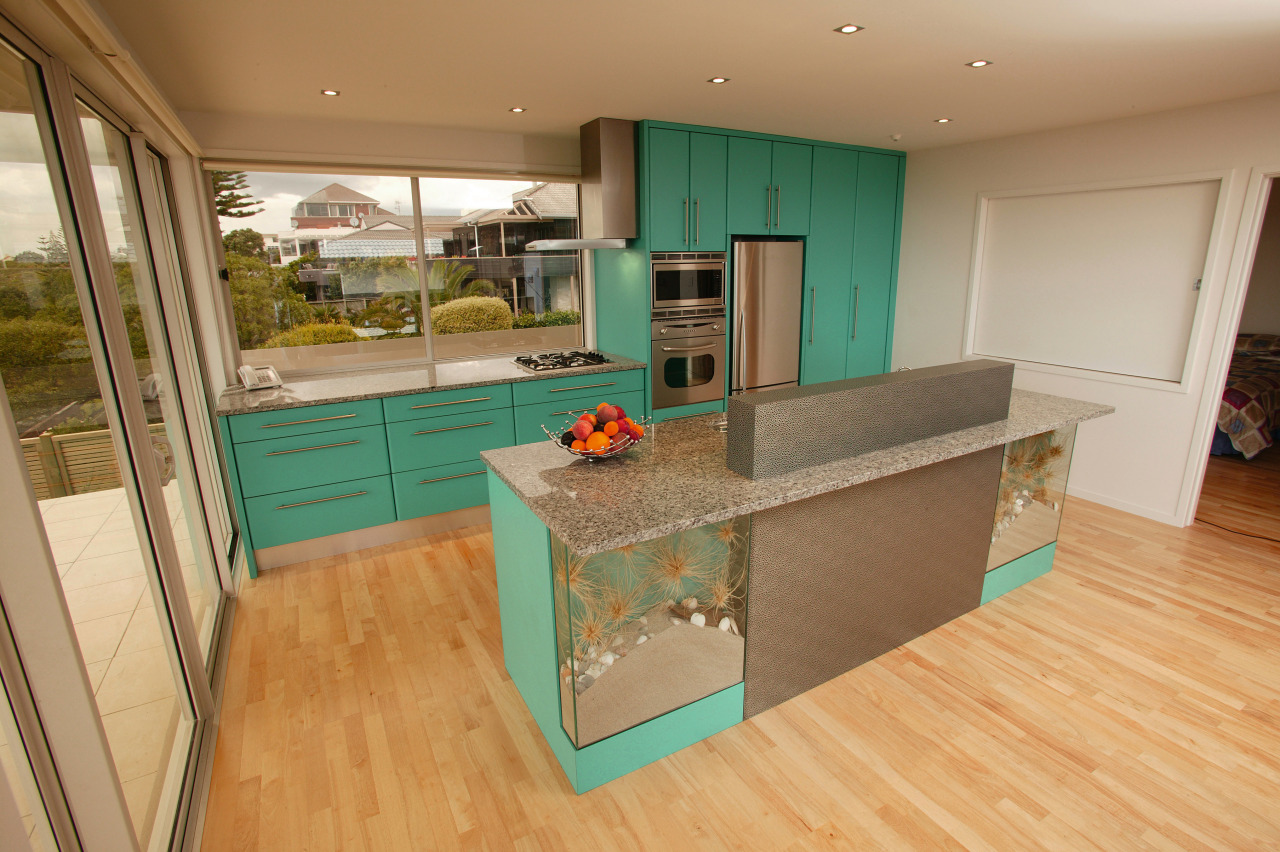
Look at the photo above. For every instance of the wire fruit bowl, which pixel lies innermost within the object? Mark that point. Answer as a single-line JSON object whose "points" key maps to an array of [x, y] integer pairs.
{"points": [[595, 455]]}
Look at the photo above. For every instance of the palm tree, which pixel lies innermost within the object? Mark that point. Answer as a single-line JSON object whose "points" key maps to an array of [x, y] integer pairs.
{"points": [[447, 280]]}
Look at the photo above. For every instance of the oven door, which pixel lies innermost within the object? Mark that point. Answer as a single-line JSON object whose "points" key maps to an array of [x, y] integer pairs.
{"points": [[688, 285], [688, 370]]}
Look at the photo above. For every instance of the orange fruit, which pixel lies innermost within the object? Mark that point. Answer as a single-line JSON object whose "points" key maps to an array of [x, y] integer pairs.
{"points": [[611, 428], [597, 442], [578, 445], [640, 431], [601, 405], [629, 421]]}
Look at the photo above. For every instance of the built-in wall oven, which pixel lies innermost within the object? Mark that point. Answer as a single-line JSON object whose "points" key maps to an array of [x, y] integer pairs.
{"points": [[688, 359], [689, 279]]}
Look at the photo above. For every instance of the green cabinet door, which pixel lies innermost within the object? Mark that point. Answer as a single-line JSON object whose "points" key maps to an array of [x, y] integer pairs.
{"points": [[708, 176], [873, 254], [828, 267], [792, 178], [750, 186], [669, 202]]}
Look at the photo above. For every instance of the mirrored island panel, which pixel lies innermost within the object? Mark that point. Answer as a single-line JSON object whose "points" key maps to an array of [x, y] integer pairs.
{"points": [[645, 629], [1033, 488]]}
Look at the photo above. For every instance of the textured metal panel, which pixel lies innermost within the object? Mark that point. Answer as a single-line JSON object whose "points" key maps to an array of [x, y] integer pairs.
{"points": [[839, 579], [782, 431], [608, 188]]}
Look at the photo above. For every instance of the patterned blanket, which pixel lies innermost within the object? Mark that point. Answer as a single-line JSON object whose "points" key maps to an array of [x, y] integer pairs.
{"points": [[1250, 406]]}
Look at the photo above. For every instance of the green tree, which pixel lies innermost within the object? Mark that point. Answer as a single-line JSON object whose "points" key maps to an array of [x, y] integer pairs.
{"points": [[447, 280], [29, 343], [263, 304], [54, 247], [246, 242], [14, 303], [228, 196]]}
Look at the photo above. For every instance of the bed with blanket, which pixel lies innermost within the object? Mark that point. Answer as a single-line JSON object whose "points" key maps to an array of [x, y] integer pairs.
{"points": [[1249, 415]]}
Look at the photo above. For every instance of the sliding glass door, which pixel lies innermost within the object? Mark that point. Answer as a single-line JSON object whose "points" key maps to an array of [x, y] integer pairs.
{"points": [[94, 397]]}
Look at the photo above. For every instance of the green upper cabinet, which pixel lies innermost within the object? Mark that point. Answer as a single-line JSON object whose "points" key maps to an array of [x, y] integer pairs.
{"points": [[829, 266], [769, 187], [687, 174], [874, 254]]}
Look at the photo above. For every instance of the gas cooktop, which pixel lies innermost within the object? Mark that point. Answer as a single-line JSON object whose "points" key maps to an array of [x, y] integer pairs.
{"points": [[561, 361]]}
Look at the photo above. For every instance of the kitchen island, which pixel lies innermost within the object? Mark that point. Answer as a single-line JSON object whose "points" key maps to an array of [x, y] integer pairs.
{"points": [[651, 600]]}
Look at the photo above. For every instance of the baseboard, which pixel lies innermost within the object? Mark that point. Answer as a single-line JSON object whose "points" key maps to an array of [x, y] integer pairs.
{"points": [[332, 545], [1124, 506]]}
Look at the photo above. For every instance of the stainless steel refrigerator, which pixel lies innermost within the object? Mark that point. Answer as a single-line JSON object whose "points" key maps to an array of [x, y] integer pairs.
{"points": [[768, 296]]}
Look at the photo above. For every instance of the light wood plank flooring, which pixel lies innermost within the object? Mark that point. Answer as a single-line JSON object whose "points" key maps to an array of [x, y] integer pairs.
{"points": [[1243, 495], [1128, 700]]}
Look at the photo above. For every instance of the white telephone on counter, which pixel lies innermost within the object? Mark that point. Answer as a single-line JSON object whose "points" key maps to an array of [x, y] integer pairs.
{"points": [[256, 378]]}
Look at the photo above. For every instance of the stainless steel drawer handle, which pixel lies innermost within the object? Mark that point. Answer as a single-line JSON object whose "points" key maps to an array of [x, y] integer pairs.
{"points": [[455, 476], [305, 449], [300, 422], [455, 402], [582, 387], [451, 428], [321, 500], [572, 411], [689, 348]]}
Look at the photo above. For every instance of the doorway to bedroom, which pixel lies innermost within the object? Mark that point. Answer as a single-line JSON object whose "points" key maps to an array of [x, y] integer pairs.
{"points": [[1241, 488]]}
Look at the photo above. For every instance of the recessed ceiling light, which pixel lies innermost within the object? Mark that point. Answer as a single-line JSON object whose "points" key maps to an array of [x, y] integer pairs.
{"points": [[718, 80], [979, 63], [516, 109], [848, 29], [942, 120], [333, 93]]}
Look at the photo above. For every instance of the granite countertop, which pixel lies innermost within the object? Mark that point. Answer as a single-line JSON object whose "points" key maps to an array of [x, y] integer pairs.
{"points": [[676, 479], [398, 381]]}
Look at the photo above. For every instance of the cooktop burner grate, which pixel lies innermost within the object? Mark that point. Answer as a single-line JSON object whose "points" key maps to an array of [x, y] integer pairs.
{"points": [[561, 360]]}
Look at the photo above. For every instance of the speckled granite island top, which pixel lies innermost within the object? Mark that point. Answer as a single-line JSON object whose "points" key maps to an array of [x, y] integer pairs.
{"points": [[677, 479], [398, 381]]}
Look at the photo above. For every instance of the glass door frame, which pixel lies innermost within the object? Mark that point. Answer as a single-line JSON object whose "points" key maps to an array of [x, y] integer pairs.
{"points": [[80, 772]]}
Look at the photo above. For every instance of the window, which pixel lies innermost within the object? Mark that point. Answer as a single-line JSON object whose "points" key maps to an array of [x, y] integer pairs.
{"points": [[341, 296]]}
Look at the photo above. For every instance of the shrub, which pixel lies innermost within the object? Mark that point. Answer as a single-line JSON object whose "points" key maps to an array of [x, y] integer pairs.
{"points": [[471, 313], [550, 318], [312, 334], [26, 343]]}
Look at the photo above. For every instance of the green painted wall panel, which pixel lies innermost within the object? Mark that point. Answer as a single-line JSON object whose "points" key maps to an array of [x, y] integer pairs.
{"points": [[1011, 575]]}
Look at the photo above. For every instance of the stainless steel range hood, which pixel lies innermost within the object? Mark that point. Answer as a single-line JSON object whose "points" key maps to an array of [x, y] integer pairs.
{"points": [[607, 194]]}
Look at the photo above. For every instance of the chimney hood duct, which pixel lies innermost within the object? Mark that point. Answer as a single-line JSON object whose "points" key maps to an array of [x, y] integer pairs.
{"points": [[608, 190]]}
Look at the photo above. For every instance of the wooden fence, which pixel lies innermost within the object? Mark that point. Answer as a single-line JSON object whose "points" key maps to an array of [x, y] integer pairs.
{"points": [[74, 463]]}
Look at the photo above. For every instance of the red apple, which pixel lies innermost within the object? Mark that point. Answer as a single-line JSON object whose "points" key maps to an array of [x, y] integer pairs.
{"points": [[582, 429], [607, 413]]}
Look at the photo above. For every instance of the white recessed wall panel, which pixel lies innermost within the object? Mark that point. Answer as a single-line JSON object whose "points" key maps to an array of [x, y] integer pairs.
{"points": [[1098, 280]]}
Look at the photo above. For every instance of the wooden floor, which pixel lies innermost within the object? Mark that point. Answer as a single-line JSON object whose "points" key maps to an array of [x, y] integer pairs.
{"points": [[1243, 495], [1130, 699]]}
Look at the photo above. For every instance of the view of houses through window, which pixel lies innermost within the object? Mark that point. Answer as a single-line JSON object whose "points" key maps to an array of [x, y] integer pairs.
{"points": [[324, 269]]}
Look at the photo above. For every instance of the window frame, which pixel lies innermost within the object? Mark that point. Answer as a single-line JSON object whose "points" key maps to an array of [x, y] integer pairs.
{"points": [[402, 353]]}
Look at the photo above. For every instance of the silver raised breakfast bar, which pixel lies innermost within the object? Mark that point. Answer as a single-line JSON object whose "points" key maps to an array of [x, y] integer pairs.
{"points": [[655, 598]]}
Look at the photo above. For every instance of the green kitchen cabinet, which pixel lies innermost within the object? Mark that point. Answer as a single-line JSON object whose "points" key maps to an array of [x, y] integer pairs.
{"points": [[304, 513], [875, 253], [300, 461], [769, 187], [448, 439], [446, 488], [829, 266], [687, 193], [531, 418]]}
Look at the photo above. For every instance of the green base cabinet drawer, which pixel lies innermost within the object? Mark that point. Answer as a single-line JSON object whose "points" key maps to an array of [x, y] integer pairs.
{"points": [[449, 439], [285, 464], [326, 509], [439, 403], [531, 418], [262, 425], [440, 489], [597, 386]]}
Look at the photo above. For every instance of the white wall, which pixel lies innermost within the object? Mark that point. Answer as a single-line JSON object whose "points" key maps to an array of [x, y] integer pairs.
{"points": [[1262, 305], [1141, 458]]}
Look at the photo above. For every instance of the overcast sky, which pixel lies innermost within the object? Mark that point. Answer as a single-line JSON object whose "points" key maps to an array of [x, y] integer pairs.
{"points": [[27, 209], [279, 193]]}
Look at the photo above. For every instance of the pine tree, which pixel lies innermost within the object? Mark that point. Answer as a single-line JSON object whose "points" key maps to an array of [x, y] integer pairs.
{"points": [[227, 195]]}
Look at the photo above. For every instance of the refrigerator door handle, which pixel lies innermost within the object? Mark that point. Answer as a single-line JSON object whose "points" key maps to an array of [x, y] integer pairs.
{"points": [[739, 356]]}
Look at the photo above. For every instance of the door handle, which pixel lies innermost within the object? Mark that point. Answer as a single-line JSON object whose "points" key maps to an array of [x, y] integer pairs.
{"points": [[813, 298], [689, 348], [697, 221], [686, 221], [768, 205], [582, 387], [777, 195], [308, 449], [455, 476], [740, 357], [454, 402], [322, 500], [856, 293], [300, 422]]}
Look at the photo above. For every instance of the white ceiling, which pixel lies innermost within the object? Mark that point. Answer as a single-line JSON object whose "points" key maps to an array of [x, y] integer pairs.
{"points": [[463, 64]]}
